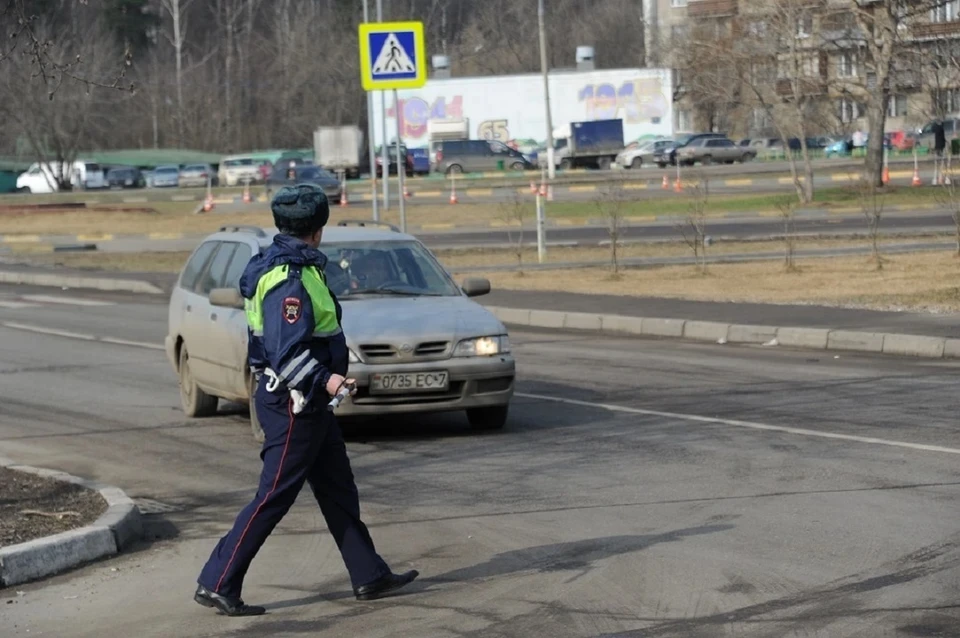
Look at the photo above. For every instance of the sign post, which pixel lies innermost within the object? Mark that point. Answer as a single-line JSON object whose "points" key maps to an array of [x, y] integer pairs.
{"points": [[393, 56]]}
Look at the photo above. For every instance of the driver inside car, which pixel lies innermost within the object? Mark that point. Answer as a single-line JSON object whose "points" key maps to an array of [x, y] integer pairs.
{"points": [[371, 271]]}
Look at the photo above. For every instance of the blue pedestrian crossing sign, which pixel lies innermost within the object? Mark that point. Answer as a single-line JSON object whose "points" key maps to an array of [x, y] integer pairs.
{"points": [[392, 56]]}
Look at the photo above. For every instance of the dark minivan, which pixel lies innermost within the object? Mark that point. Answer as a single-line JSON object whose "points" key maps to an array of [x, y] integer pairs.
{"points": [[469, 156]]}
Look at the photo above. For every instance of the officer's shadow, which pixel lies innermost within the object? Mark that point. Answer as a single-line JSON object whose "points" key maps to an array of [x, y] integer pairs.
{"points": [[575, 556]]}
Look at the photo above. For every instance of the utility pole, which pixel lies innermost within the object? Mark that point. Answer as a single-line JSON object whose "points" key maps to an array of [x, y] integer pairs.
{"points": [[551, 168], [383, 125], [371, 145]]}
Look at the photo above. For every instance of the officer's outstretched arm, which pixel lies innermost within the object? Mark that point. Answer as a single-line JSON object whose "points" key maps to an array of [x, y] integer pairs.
{"points": [[288, 325]]}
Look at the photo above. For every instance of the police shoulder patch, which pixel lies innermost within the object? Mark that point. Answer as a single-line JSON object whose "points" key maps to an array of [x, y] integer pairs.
{"points": [[292, 309]]}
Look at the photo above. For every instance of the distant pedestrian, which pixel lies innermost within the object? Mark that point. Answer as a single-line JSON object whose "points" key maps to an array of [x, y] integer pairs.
{"points": [[939, 138]]}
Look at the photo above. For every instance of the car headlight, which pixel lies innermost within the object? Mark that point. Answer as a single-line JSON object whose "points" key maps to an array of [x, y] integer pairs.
{"points": [[482, 346], [353, 356]]}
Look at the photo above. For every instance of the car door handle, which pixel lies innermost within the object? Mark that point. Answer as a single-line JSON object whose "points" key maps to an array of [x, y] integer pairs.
{"points": [[213, 316], [189, 308]]}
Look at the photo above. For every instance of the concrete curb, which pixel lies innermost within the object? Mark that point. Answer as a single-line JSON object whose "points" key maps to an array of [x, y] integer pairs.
{"points": [[827, 339], [110, 534], [77, 281]]}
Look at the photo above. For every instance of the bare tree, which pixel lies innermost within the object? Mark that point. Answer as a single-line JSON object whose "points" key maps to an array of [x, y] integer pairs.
{"points": [[29, 37], [514, 214], [611, 202], [177, 10], [787, 207], [693, 229], [55, 129], [871, 198], [948, 196]]}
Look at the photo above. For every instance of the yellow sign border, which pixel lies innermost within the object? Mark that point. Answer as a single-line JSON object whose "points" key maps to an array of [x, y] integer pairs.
{"points": [[366, 59]]}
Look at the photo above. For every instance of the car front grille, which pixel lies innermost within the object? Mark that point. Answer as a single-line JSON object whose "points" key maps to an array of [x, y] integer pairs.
{"points": [[424, 350]]}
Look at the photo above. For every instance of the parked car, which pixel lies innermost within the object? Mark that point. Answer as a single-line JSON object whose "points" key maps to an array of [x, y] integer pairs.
{"points": [[167, 176], [708, 150], [235, 169], [392, 158], [125, 177], [417, 342], [306, 174], [668, 155], [42, 177], [636, 155], [197, 175], [469, 156], [421, 160]]}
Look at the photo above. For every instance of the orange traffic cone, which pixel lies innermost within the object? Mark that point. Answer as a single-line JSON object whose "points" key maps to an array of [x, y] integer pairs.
{"points": [[543, 189], [208, 204], [406, 192], [343, 195], [453, 191], [246, 194], [666, 183], [677, 186], [916, 178], [886, 174]]}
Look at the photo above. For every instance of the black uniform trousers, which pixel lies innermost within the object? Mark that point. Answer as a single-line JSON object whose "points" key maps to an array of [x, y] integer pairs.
{"points": [[303, 447]]}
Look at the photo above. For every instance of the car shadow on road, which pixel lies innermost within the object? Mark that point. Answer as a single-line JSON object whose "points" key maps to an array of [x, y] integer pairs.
{"points": [[578, 557]]}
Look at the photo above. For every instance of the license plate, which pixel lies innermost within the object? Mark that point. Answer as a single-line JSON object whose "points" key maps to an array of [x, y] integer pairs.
{"points": [[410, 382]]}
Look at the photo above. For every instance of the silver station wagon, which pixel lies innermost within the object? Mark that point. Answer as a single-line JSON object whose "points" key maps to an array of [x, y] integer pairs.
{"points": [[418, 343]]}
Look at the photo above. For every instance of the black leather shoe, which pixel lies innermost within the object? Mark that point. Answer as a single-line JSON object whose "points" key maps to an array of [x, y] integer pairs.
{"points": [[227, 605], [385, 585]]}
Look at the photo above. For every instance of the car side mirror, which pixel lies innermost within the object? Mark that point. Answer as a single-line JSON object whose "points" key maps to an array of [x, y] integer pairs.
{"points": [[228, 297], [476, 286]]}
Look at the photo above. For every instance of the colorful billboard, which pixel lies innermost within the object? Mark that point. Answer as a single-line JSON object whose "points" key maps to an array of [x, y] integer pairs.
{"points": [[511, 108]]}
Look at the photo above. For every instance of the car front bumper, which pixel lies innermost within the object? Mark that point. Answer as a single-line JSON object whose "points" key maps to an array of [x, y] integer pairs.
{"points": [[474, 382]]}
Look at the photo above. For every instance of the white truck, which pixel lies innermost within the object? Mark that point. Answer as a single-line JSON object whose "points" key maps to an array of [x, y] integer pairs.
{"points": [[340, 148]]}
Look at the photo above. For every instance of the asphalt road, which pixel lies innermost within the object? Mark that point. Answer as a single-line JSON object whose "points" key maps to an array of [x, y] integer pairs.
{"points": [[641, 488]]}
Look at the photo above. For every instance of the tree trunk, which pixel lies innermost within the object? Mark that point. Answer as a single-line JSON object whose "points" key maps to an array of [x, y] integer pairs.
{"points": [[876, 119]]}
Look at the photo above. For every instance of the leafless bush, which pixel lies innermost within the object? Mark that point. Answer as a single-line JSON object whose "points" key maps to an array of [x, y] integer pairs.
{"points": [[694, 226], [787, 207], [611, 203], [871, 198], [514, 214]]}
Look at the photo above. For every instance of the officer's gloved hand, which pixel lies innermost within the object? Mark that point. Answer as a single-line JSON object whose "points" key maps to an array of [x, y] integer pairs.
{"points": [[336, 382]]}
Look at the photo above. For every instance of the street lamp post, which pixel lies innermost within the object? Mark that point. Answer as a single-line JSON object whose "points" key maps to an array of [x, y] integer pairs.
{"points": [[551, 168]]}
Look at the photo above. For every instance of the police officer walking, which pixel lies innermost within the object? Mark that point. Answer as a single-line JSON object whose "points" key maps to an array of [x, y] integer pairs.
{"points": [[298, 351]]}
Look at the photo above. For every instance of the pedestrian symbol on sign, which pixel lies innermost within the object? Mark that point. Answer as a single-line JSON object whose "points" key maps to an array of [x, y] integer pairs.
{"points": [[392, 58]]}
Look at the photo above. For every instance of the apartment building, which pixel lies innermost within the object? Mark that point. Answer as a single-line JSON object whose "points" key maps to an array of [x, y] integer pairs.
{"points": [[815, 39]]}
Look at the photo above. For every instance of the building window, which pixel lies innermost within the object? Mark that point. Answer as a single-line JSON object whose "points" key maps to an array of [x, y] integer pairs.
{"points": [[684, 122], [897, 106], [677, 4], [847, 65], [760, 120], [804, 25], [849, 110], [757, 28], [944, 12], [948, 100]]}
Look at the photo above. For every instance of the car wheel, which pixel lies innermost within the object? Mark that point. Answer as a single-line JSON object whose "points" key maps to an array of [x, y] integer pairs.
{"points": [[604, 163], [455, 169], [706, 161], [662, 164], [517, 166], [566, 165], [255, 427], [490, 418], [638, 163], [195, 402]]}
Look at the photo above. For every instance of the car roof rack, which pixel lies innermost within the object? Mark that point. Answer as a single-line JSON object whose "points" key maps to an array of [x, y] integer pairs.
{"points": [[365, 222], [243, 228]]}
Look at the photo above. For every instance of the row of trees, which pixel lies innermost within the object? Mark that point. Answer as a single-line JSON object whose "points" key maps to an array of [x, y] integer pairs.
{"points": [[230, 75]]}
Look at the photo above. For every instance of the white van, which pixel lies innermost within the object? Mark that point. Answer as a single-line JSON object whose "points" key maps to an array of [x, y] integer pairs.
{"points": [[40, 178]]}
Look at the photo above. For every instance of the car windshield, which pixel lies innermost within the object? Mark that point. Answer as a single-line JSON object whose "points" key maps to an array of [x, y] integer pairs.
{"points": [[238, 162], [361, 269], [167, 169]]}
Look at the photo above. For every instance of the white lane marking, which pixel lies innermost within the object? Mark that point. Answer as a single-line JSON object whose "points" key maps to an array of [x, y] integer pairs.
{"points": [[70, 301], [17, 305], [746, 424], [77, 335]]}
